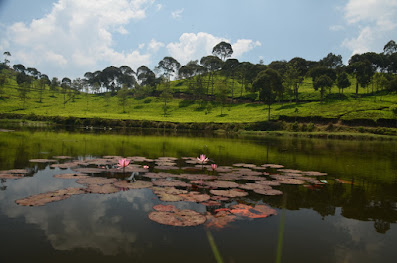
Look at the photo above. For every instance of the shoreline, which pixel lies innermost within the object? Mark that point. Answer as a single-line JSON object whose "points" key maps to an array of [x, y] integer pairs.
{"points": [[256, 129]]}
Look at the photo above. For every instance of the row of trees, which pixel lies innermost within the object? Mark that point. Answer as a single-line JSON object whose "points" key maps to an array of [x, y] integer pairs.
{"points": [[220, 76]]}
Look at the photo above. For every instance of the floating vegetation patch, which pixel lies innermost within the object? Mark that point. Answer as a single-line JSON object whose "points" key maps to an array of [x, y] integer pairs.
{"points": [[188, 179]]}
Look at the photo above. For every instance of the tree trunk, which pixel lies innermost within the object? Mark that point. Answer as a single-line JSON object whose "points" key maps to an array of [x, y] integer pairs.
{"points": [[356, 89], [268, 116]]}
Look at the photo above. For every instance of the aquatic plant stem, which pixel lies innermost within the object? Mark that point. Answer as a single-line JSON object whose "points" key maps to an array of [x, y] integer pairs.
{"points": [[281, 231], [215, 250]]}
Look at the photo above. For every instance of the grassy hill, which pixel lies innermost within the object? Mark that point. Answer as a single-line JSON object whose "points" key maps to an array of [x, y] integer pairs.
{"points": [[367, 107]]}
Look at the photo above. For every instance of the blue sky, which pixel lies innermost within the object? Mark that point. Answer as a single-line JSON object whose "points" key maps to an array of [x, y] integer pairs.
{"points": [[70, 37]]}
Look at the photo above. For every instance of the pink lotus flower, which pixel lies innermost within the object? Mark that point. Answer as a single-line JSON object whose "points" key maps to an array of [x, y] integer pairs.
{"points": [[202, 159], [214, 166], [146, 167], [123, 163]]}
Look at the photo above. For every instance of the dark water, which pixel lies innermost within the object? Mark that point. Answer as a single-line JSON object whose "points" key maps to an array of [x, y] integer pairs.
{"points": [[337, 223]]}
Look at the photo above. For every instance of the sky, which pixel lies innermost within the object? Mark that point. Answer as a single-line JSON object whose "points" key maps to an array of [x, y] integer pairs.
{"points": [[67, 38]]}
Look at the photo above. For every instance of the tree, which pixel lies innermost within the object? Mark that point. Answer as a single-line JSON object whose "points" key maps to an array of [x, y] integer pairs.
{"points": [[24, 82], [362, 69], [269, 84], [380, 82], [293, 78], [166, 94], [222, 50], [146, 77], [42, 82], [65, 85], [342, 81], [3, 81], [6, 55], [322, 82], [122, 96], [331, 61], [211, 64], [390, 48], [169, 66], [229, 68], [54, 85], [320, 71], [19, 68], [221, 95]]}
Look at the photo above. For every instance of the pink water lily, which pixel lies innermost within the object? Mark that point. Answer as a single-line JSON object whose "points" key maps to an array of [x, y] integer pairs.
{"points": [[214, 166], [146, 167], [123, 163], [202, 159]]}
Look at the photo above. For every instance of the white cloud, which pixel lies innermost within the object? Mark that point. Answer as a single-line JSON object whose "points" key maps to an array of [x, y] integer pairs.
{"points": [[154, 46], [193, 46], [76, 35], [159, 7], [361, 43], [336, 28], [244, 45], [177, 14], [376, 22]]}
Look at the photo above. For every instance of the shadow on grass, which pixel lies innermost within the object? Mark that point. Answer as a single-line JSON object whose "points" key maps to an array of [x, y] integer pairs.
{"points": [[290, 106], [185, 103], [222, 115], [138, 107], [254, 105]]}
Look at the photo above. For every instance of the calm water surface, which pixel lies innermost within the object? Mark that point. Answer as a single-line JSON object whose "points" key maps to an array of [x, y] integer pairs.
{"points": [[340, 222]]}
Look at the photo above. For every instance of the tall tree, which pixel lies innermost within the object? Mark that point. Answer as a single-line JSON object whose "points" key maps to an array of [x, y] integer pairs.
{"points": [[342, 81], [332, 61], [122, 96], [65, 85], [222, 94], [42, 84], [6, 54], [211, 64], [230, 68], [24, 82], [362, 69], [390, 48], [321, 83], [293, 78], [169, 66], [223, 50], [54, 86], [19, 68], [269, 84]]}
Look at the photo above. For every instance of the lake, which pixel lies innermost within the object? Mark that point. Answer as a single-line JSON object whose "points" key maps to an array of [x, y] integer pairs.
{"points": [[335, 200]]}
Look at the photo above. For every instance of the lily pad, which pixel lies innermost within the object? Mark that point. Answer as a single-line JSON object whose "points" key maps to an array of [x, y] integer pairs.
{"points": [[163, 167], [165, 208], [71, 176], [163, 182], [211, 203], [268, 191], [252, 186], [181, 218], [168, 194], [229, 193], [157, 175], [222, 184], [273, 166], [259, 211], [220, 220], [44, 198], [11, 176], [89, 170], [95, 180], [15, 171], [62, 157], [195, 197], [312, 173], [267, 182], [133, 185]]}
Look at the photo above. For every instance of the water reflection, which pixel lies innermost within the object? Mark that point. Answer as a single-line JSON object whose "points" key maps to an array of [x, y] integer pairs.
{"points": [[355, 222]]}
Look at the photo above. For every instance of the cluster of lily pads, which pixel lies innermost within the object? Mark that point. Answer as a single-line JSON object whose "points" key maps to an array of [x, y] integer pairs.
{"points": [[220, 188]]}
